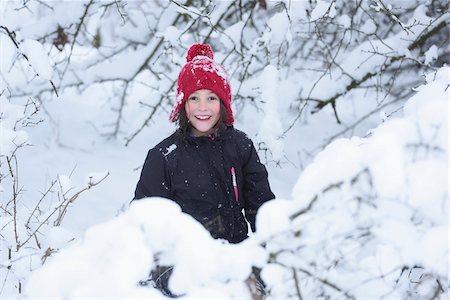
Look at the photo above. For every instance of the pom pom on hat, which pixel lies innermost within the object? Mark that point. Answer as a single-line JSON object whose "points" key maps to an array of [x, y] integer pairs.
{"points": [[199, 50], [202, 72]]}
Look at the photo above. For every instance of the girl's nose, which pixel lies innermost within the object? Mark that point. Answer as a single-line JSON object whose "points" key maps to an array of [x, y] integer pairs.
{"points": [[203, 104]]}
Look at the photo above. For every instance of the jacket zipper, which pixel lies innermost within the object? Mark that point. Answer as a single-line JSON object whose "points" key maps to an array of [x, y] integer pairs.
{"points": [[233, 177]]}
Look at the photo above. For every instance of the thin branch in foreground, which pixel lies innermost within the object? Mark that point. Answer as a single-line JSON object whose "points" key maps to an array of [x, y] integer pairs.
{"points": [[327, 283]]}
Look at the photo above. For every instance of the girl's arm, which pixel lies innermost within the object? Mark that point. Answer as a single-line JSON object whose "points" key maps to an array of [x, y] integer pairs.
{"points": [[256, 185], [154, 180]]}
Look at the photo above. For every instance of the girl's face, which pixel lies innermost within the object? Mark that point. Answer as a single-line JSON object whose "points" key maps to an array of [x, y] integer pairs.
{"points": [[203, 111]]}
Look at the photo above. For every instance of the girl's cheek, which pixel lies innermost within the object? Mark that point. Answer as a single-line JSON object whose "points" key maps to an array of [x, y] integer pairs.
{"points": [[187, 108], [216, 108]]}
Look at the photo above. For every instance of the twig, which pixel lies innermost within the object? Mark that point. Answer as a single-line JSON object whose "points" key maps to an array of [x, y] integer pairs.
{"points": [[391, 14], [27, 224], [11, 34], [77, 31], [297, 286], [327, 283], [390, 60], [15, 182], [74, 197], [64, 206]]}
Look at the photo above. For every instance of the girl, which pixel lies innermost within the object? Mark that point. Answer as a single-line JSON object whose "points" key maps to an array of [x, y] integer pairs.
{"points": [[209, 168]]}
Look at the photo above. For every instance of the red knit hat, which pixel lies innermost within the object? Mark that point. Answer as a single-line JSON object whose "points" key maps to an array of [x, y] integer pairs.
{"points": [[202, 72]]}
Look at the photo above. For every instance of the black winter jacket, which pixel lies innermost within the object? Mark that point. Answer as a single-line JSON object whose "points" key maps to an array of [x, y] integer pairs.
{"points": [[197, 173]]}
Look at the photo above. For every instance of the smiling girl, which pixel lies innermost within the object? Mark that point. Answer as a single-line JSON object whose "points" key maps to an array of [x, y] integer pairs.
{"points": [[209, 168]]}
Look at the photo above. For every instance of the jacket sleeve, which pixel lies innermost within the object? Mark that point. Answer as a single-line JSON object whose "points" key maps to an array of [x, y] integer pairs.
{"points": [[256, 185], [154, 180]]}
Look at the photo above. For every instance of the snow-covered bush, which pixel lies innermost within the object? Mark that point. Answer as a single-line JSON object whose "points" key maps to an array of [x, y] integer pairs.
{"points": [[369, 218], [303, 73], [114, 257], [327, 54], [30, 220], [370, 215]]}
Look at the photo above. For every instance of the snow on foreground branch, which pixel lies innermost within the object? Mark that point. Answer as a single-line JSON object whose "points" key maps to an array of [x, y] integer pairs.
{"points": [[369, 219], [113, 257], [370, 216], [30, 220]]}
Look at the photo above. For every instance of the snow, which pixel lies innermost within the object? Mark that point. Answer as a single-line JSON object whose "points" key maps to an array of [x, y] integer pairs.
{"points": [[120, 252], [279, 28], [431, 55], [431, 112], [71, 273], [274, 276], [426, 180], [345, 21], [366, 57], [59, 237], [170, 149], [323, 9], [171, 34], [95, 178], [271, 129], [38, 58], [10, 114], [390, 159], [352, 211], [232, 35], [272, 219], [434, 249], [369, 27], [209, 65], [346, 158], [193, 12], [10, 138], [65, 183]]}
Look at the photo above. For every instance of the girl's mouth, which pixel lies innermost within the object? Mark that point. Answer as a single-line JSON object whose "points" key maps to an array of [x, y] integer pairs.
{"points": [[203, 118]]}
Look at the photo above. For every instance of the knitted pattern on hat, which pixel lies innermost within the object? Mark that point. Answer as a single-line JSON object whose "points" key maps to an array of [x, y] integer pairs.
{"points": [[201, 72]]}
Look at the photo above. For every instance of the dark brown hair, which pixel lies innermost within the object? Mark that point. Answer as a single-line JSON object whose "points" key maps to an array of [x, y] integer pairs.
{"points": [[184, 126]]}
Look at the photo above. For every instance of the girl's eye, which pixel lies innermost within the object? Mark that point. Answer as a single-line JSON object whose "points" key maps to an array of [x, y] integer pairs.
{"points": [[212, 98], [193, 98]]}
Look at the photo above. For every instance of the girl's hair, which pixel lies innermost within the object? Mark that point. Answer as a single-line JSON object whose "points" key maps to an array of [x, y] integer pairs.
{"points": [[184, 125]]}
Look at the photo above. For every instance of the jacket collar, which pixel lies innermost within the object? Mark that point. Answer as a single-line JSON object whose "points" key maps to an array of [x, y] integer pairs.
{"points": [[221, 134]]}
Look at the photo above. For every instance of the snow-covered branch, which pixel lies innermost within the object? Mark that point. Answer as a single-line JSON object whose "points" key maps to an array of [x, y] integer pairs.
{"points": [[368, 213], [370, 222]]}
